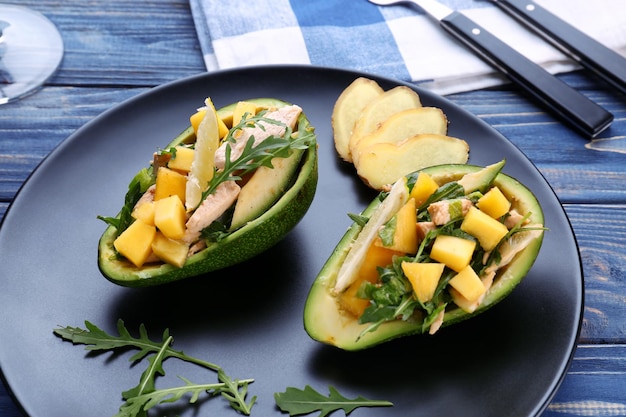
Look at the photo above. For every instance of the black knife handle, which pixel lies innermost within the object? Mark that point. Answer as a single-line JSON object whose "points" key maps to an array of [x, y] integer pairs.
{"points": [[575, 108], [588, 52]]}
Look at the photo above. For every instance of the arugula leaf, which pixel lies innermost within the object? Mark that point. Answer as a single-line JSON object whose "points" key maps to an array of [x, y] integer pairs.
{"points": [[235, 392], [137, 187], [138, 405], [262, 154], [298, 402], [144, 396]]}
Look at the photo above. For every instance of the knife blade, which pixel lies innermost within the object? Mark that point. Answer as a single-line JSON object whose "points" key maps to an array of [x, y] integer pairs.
{"points": [[570, 105], [589, 53]]}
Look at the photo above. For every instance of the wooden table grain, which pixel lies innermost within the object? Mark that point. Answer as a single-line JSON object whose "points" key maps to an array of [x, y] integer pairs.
{"points": [[117, 49]]}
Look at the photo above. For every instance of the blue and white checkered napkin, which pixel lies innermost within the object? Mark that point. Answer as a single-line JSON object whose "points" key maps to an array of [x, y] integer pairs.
{"points": [[397, 41]]}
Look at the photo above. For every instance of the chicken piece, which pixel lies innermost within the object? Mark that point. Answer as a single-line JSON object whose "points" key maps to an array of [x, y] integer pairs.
{"points": [[441, 212], [423, 228], [147, 197], [512, 219], [211, 209], [261, 131]]}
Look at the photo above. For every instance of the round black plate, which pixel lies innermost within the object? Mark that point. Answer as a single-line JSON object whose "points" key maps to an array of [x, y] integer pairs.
{"points": [[248, 319]]}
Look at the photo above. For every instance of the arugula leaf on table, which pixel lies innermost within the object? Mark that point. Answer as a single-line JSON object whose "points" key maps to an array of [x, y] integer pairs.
{"points": [[299, 402], [145, 395]]}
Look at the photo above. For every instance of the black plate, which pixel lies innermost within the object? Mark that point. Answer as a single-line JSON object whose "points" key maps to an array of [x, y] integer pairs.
{"points": [[248, 319]]}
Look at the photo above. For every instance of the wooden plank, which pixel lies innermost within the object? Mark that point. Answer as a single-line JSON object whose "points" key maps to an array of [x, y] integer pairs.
{"points": [[121, 43], [559, 153], [31, 128], [597, 372], [601, 235]]}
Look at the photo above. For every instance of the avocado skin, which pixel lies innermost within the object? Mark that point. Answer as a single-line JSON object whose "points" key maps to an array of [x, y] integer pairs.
{"points": [[252, 239], [324, 322]]}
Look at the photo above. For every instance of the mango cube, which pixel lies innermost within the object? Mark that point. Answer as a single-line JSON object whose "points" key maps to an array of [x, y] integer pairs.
{"points": [[173, 252], [197, 117], [405, 235], [169, 183], [349, 301], [424, 278], [241, 108], [182, 160], [468, 284], [483, 227], [135, 243], [377, 255], [494, 203], [453, 251], [144, 212], [170, 217], [424, 187]]}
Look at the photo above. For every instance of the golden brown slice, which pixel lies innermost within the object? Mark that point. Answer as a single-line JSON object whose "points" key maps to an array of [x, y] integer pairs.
{"points": [[347, 109], [384, 163], [403, 125], [380, 109]]}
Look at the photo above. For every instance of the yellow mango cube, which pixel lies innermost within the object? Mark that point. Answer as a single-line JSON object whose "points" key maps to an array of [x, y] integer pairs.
{"points": [[171, 251], [241, 108], [424, 187], [424, 278], [494, 203], [453, 251], [405, 235], [349, 301], [135, 243], [170, 217], [197, 117], [377, 255], [483, 227], [182, 160], [169, 183], [144, 212], [468, 284]]}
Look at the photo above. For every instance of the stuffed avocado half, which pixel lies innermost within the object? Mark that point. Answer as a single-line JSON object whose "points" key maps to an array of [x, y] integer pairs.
{"points": [[227, 188], [436, 248]]}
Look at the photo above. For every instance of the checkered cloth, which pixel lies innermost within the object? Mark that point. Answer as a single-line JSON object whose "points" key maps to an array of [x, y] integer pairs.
{"points": [[396, 41]]}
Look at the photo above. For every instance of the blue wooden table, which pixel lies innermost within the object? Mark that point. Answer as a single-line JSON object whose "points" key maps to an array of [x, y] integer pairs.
{"points": [[119, 48]]}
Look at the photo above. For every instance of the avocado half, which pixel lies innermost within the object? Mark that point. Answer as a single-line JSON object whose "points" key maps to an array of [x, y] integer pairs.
{"points": [[255, 237], [325, 322]]}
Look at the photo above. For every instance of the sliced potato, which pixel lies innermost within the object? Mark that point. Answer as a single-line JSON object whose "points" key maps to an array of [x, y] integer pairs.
{"points": [[347, 109], [384, 163], [403, 125], [380, 109]]}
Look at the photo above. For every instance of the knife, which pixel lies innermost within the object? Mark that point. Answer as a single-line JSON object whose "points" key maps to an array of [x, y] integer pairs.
{"points": [[574, 108], [589, 53]]}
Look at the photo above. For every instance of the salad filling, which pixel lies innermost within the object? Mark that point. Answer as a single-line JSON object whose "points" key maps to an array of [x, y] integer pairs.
{"points": [[440, 250], [187, 198]]}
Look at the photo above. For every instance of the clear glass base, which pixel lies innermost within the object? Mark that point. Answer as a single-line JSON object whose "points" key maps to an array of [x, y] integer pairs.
{"points": [[31, 49]]}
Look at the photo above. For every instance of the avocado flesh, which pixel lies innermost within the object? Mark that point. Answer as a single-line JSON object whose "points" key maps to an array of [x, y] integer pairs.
{"points": [[325, 322], [263, 188], [256, 236]]}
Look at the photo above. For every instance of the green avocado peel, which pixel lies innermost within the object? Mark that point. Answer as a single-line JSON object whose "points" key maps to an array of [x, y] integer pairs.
{"points": [[286, 167], [330, 319]]}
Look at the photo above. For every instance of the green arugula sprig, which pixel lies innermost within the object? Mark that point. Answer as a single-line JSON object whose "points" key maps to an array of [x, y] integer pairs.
{"points": [[145, 395], [298, 402], [262, 154]]}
